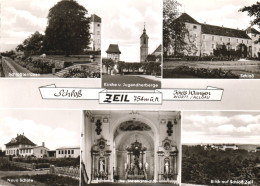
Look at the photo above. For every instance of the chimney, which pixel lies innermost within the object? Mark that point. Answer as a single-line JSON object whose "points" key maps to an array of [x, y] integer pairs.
{"points": [[43, 144], [17, 134]]}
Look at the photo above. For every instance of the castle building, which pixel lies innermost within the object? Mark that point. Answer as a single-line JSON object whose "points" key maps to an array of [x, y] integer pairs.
{"points": [[23, 147], [131, 145], [205, 38], [95, 31], [144, 46], [113, 52]]}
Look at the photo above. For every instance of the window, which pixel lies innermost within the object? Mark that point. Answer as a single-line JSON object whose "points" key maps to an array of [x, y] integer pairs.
{"points": [[59, 151], [62, 152], [213, 45], [229, 39], [41, 151], [68, 151], [237, 40], [98, 25], [98, 32], [194, 27], [29, 150], [213, 38], [65, 151], [72, 151], [204, 37], [242, 41], [247, 41]]}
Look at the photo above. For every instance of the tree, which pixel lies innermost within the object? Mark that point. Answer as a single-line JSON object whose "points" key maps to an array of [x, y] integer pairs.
{"points": [[68, 28], [176, 38], [32, 45], [108, 63], [253, 10]]}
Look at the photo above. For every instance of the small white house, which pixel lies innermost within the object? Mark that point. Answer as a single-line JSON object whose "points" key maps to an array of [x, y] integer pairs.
{"points": [[67, 152]]}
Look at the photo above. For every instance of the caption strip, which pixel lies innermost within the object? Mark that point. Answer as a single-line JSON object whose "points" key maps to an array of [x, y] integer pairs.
{"points": [[106, 97]]}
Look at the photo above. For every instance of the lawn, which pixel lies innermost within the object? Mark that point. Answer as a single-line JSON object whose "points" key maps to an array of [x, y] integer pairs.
{"points": [[121, 82], [42, 180], [243, 69]]}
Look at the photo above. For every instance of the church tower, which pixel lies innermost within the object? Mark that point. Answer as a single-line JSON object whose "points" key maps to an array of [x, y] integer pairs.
{"points": [[143, 46]]}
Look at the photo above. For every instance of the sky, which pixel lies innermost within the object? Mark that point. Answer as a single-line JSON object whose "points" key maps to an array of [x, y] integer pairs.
{"points": [[57, 128], [218, 12], [221, 127], [122, 22], [21, 18]]}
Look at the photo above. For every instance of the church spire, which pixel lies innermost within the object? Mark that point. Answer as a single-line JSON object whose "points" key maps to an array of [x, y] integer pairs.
{"points": [[144, 28]]}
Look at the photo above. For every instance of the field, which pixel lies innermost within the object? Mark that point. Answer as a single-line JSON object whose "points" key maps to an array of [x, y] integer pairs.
{"points": [[123, 82], [243, 69]]}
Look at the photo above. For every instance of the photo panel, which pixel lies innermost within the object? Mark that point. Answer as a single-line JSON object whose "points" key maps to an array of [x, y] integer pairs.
{"points": [[131, 44], [221, 148], [50, 39], [131, 147], [218, 39], [39, 147]]}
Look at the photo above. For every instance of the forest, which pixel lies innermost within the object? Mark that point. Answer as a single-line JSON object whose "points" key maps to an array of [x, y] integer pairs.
{"points": [[208, 166]]}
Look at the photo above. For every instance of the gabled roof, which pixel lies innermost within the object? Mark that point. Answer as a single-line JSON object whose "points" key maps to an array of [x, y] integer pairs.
{"points": [[158, 49], [20, 140], [187, 19], [252, 30], [113, 48], [95, 18], [223, 31], [214, 30]]}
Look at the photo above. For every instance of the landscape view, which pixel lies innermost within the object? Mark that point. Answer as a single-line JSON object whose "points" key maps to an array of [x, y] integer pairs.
{"points": [[54, 39], [221, 148], [216, 40]]}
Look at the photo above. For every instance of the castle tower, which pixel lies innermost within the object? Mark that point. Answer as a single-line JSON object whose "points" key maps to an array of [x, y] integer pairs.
{"points": [[144, 46]]}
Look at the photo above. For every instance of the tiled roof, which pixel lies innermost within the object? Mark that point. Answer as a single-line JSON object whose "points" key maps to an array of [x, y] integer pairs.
{"points": [[214, 30], [252, 30], [113, 48], [95, 18], [158, 49], [187, 19], [223, 31], [20, 139]]}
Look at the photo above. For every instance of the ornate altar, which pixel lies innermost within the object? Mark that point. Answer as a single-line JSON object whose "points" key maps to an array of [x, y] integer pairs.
{"points": [[167, 161], [100, 155], [136, 165]]}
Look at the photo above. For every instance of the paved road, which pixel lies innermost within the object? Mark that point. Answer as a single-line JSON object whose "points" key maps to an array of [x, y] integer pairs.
{"points": [[17, 67]]}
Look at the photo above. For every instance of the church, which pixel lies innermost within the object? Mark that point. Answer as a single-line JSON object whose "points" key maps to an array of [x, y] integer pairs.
{"points": [[204, 38], [126, 146]]}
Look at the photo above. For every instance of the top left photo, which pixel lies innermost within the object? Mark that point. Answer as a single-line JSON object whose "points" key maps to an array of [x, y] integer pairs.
{"points": [[50, 39]]}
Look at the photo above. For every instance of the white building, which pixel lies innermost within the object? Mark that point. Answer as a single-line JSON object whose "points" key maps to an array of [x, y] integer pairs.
{"points": [[95, 31], [67, 152], [205, 38], [131, 145], [23, 147]]}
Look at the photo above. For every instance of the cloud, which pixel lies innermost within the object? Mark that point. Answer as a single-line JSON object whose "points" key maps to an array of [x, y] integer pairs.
{"points": [[235, 126]]}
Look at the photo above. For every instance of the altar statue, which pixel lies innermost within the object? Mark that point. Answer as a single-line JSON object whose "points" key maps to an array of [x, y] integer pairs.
{"points": [[140, 166], [167, 167], [126, 165], [146, 166], [101, 166]]}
